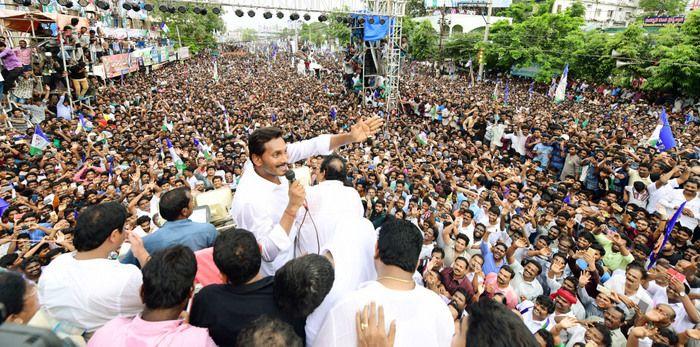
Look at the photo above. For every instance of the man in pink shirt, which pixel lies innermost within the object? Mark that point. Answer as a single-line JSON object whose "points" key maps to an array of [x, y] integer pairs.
{"points": [[168, 279], [24, 54]]}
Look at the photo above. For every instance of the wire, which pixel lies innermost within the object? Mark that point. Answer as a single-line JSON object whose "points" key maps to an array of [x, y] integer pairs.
{"points": [[296, 239]]}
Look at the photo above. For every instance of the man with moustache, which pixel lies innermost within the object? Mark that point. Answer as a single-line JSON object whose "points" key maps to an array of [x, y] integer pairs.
{"points": [[267, 205]]}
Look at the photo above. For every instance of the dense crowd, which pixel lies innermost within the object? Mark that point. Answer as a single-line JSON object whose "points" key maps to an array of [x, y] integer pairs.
{"points": [[465, 217]]}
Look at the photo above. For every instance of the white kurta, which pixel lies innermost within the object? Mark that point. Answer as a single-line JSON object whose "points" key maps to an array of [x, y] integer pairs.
{"points": [[422, 318], [329, 203], [259, 204], [352, 249]]}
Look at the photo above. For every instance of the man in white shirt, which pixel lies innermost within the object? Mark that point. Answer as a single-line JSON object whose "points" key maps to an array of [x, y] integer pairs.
{"points": [[84, 289], [539, 314], [422, 317], [351, 251], [329, 203], [267, 205], [630, 285], [691, 211]]}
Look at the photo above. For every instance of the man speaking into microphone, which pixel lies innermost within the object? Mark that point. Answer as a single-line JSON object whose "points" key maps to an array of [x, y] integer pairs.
{"points": [[266, 204]]}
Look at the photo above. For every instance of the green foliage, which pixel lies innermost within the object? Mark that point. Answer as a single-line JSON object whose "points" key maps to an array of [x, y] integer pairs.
{"points": [[422, 40], [314, 32], [576, 10], [663, 7], [415, 8], [196, 31], [338, 30], [519, 11], [249, 34], [462, 47]]}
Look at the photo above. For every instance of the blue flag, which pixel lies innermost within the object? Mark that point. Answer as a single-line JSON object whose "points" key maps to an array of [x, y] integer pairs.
{"points": [[567, 199], [667, 232], [529, 91], [506, 93], [666, 139], [3, 206]]}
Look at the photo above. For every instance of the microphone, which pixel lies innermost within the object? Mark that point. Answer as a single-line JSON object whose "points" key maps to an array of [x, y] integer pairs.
{"points": [[291, 177]]}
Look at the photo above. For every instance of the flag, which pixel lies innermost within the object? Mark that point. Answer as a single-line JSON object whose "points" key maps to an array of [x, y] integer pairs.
{"points": [[203, 150], [666, 139], [164, 27], [506, 93], [333, 113], [39, 141], [469, 63], [560, 92], [179, 164], [667, 232], [552, 88], [110, 164], [3, 206], [167, 126], [228, 128], [495, 92], [216, 70], [82, 124], [567, 199], [530, 90]]}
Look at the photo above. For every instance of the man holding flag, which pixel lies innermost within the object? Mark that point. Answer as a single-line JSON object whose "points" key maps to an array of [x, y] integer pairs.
{"points": [[686, 200], [39, 142]]}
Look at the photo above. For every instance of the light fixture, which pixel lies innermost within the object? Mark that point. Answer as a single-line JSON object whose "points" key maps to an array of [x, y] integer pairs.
{"points": [[83, 3], [322, 18], [267, 15], [27, 3], [371, 20], [135, 7], [280, 15], [163, 8], [203, 12], [182, 9], [148, 7], [251, 13], [69, 4], [196, 10], [294, 16], [18, 2], [382, 21], [126, 6], [239, 13], [102, 5], [47, 2], [216, 10], [172, 9], [307, 17], [362, 20]]}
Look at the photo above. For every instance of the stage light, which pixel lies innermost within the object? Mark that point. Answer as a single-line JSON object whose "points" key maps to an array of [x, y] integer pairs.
{"points": [[267, 15], [126, 6], [47, 2], [322, 18], [69, 4], [371, 20], [307, 17], [280, 15], [60, 2], [18, 2], [135, 7], [74, 21], [239, 13], [294, 16], [27, 3], [148, 7], [362, 20], [216, 10], [172, 9], [83, 3], [251, 13], [203, 12], [182, 9], [196, 10], [382, 21], [163, 8]]}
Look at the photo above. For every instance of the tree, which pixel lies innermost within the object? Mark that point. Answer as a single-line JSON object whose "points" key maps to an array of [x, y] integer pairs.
{"points": [[196, 31], [415, 8], [519, 11], [337, 29], [577, 10], [422, 41], [663, 7], [314, 32], [249, 34], [592, 60], [462, 47]]}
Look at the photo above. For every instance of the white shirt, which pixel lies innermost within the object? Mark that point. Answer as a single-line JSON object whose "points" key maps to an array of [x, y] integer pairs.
{"points": [[673, 201], [616, 283], [422, 318], [530, 290], [352, 249], [259, 204], [655, 195], [329, 203], [682, 321], [526, 308], [89, 293]]}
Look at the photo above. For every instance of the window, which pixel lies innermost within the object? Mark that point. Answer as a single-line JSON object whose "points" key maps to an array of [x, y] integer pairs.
{"points": [[597, 13], [558, 8], [610, 13]]}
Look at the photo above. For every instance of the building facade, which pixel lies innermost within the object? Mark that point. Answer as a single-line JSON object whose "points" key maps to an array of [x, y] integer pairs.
{"points": [[604, 13]]}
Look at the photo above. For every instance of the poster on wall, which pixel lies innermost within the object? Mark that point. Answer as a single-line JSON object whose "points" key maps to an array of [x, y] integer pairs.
{"points": [[115, 65]]}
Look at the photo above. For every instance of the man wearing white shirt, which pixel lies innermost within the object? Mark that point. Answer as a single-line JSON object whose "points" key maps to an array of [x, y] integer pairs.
{"points": [[691, 211], [267, 205], [83, 290], [538, 314], [630, 286], [351, 251], [422, 317], [329, 203]]}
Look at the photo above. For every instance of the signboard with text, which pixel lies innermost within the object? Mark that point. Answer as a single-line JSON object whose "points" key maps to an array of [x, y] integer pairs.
{"points": [[660, 21]]}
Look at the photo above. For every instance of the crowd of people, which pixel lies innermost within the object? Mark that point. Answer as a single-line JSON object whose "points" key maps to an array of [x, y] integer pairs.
{"points": [[464, 218]]}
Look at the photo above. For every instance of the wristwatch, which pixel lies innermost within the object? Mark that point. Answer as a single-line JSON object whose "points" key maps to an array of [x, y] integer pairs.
{"points": [[681, 294]]}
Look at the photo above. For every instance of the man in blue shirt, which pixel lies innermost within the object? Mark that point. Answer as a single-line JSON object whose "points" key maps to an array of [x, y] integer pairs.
{"points": [[176, 207]]}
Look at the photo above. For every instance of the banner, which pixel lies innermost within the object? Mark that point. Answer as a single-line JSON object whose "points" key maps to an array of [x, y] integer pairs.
{"points": [[654, 21], [118, 64], [184, 53]]}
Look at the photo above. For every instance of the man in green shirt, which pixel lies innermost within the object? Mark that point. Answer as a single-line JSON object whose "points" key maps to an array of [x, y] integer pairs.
{"points": [[617, 256]]}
